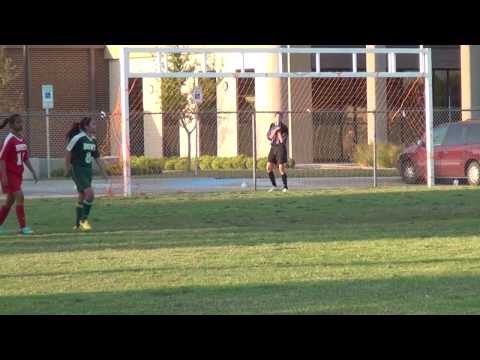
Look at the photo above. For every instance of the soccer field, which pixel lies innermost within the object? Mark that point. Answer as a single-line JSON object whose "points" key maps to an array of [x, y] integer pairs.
{"points": [[399, 250]]}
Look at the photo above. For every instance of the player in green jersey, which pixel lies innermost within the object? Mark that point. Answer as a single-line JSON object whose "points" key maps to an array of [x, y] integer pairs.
{"points": [[81, 150]]}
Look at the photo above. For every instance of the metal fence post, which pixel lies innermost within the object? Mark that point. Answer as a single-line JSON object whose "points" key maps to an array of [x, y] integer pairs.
{"points": [[197, 141], [375, 149], [47, 126], [254, 150]]}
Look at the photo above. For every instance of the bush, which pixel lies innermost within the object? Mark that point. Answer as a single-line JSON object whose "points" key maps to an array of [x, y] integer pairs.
{"points": [[262, 163], [228, 163], [217, 164], [239, 162], [387, 155], [142, 165], [206, 162], [170, 164], [363, 155], [181, 164], [114, 169]]}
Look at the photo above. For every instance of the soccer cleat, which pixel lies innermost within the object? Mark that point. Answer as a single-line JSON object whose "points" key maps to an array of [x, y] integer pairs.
{"points": [[272, 189], [76, 228], [85, 226], [285, 190], [26, 231]]}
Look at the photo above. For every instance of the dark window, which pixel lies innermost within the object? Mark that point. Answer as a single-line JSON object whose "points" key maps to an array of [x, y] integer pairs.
{"points": [[446, 88], [455, 135], [454, 88], [473, 134]]}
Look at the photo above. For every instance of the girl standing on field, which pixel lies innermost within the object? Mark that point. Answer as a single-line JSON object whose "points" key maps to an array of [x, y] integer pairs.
{"points": [[13, 155], [81, 150]]}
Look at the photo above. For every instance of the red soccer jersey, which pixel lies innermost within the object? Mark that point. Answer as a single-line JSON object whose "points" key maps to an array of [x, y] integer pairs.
{"points": [[14, 152]]}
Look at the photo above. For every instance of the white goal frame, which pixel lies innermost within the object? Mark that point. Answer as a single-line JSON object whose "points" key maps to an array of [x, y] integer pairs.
{"points": [[161, 71]]}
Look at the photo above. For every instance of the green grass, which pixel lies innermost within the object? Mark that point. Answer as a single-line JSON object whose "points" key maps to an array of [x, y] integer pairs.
{"points": [[388, 251]]}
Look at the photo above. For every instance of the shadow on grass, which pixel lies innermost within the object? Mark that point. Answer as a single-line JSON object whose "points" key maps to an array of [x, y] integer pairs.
{"points": [[246, 219], [411, 295], [265, 265]]}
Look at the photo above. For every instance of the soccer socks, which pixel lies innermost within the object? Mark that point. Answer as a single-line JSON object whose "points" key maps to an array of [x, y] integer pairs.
{"points": [[4, 211], [86, 209], [284, 179], [79, 210], [22, 221], [271, 175]]}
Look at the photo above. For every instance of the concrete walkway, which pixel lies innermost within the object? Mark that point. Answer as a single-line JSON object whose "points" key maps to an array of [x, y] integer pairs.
{"points": [[66, 188]]}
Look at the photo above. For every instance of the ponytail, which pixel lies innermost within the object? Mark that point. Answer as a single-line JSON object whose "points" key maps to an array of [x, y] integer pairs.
{"points": [[77, 127], [73, 131], [4, 123], [9, 120]]}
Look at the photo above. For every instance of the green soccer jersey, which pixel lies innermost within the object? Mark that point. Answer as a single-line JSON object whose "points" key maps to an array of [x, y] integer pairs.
{"points": [[84, 149]]}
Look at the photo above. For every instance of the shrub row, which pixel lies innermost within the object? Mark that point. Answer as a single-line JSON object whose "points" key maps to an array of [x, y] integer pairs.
{"points": [[141, 165], [387, 155]]}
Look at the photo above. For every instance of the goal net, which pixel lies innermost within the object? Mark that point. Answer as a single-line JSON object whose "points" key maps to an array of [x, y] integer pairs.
{"points": [[196, 119]]}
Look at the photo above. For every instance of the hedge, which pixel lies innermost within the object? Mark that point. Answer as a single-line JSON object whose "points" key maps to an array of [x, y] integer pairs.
{"points": [[387, 155], [141, 165]]}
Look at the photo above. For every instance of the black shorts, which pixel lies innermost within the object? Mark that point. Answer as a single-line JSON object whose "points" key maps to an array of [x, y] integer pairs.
{"points": [[278, 154]]}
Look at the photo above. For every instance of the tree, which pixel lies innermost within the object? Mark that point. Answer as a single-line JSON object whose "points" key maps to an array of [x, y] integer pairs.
{"points": [[8, 73], [178, 106]]}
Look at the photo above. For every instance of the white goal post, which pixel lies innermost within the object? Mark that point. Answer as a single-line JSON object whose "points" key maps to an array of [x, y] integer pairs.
{"points": [[159, 69]]}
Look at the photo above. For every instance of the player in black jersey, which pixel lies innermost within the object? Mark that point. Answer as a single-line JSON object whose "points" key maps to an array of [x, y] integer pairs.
{"points": [[278, 137]]}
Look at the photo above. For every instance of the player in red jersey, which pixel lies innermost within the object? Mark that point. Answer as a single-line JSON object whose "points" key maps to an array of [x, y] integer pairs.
{"points": [[13, 155]]}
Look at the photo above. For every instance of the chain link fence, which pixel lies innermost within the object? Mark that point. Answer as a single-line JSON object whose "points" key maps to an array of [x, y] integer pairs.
{"points": [[213, 150]]}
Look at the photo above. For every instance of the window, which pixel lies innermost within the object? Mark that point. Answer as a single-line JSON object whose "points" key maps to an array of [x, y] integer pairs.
{"points": [[439, 134], [455, 135], [473, 134], [446, 88]]}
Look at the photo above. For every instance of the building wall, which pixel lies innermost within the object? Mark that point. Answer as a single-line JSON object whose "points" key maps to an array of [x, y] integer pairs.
{"points": [[80, 76]]}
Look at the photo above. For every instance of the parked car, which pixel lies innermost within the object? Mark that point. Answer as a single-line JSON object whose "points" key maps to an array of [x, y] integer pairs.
{"points": [[456, 154]]}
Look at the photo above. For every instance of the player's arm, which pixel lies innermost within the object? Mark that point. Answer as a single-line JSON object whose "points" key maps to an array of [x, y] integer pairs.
{"points": [[285, 134], [3, 173], [28, 164], [68, 155], [68, 162], [3, 166]]}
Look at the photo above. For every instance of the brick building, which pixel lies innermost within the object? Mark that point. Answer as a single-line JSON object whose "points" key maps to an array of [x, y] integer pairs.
{"points": [[80, 76]]}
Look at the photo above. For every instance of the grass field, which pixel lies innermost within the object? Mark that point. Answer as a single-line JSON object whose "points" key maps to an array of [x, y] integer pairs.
{"points": [[388, 251]]}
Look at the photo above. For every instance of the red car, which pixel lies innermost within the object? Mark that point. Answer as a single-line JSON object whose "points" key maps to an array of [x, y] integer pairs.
{"points": [[456, 154]]}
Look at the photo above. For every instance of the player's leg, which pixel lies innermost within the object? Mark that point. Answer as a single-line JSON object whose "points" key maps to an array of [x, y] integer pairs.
{"points": [[86, 184], [5, 210], [283, 172], [79, 210], [83, 181], [270, 166], [20, 210], [88, 202], [282, 168]]}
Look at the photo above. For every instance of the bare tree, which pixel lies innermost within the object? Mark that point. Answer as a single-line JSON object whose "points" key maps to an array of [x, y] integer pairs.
{"points": [[177, 102], [8, 73]]}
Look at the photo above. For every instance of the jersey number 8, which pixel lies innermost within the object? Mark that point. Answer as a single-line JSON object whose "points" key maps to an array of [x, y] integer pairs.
{"points": [[88, 158]]}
